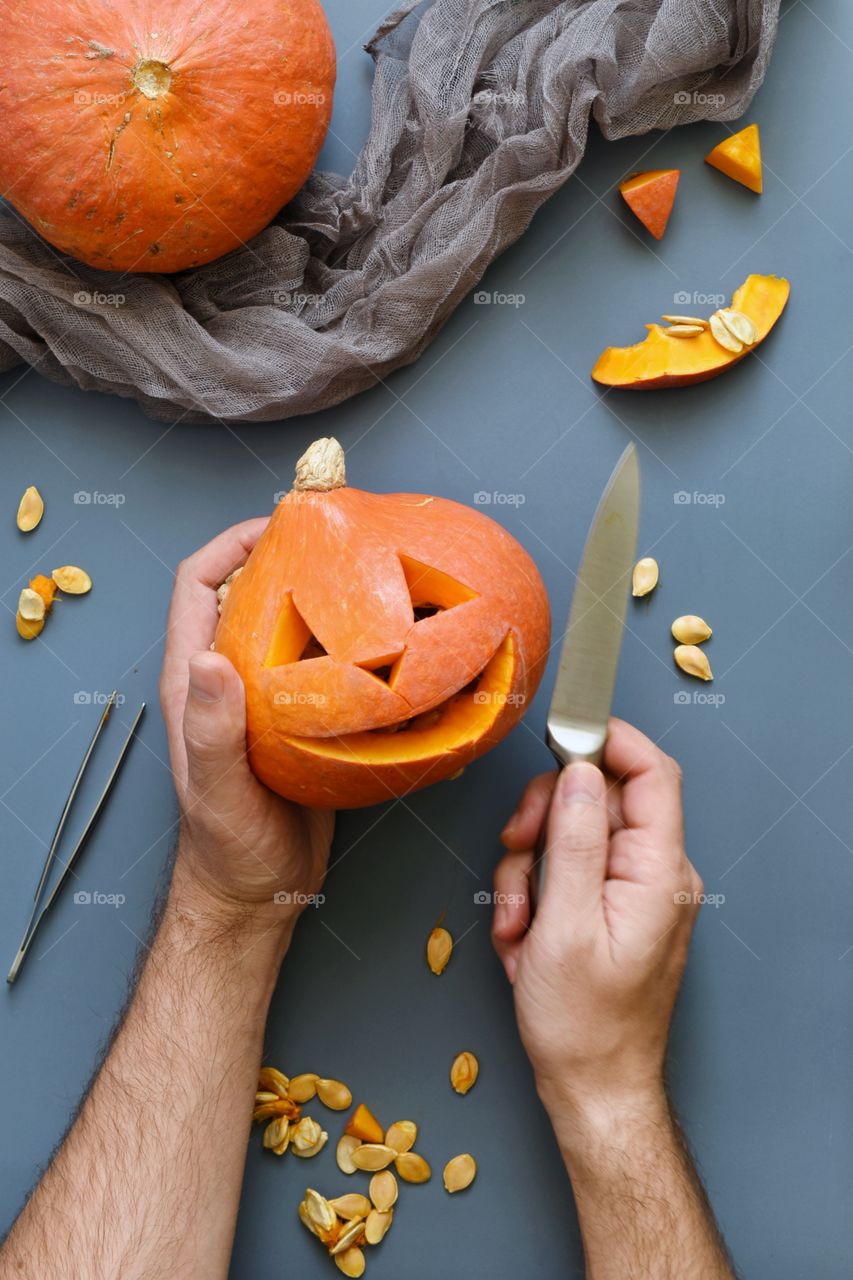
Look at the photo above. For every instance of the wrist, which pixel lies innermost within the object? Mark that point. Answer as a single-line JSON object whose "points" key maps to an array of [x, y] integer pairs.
{"points": [[590, 1120], [249, 934]]}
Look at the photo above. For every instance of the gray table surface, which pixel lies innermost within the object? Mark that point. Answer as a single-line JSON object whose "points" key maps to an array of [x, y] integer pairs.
{"points": [[762, 1047]]}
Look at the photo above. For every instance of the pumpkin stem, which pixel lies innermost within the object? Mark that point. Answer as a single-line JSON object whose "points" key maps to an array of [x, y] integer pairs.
{"points": [[321, 467]]}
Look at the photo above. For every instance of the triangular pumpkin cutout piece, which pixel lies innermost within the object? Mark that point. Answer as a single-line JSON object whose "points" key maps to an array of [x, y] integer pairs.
{"points": [[650, 196], [739, 158]]}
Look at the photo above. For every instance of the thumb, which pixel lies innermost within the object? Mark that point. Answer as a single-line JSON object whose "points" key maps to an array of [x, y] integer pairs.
{"points": [[577, 842], [215, 727]]}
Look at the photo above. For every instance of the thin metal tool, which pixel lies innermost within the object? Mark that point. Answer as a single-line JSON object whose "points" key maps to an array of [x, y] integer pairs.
{"points": [[583, 691], [36, 916]]}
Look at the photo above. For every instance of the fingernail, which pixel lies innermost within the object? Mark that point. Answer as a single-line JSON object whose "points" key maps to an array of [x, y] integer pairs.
{"points": [[581, 783], [206, 681], [501, 917]]}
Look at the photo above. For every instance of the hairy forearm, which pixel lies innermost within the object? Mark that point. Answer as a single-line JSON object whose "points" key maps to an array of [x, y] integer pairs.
{"points": [[643, 1211], [147, 1182]]}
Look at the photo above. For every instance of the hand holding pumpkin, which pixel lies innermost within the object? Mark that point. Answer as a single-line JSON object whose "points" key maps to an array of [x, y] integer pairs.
{"points": [[596, 974], [245, 852]]}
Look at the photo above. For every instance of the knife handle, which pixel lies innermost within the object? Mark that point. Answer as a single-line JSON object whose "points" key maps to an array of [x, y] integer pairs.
{"points": [[564, 758]]}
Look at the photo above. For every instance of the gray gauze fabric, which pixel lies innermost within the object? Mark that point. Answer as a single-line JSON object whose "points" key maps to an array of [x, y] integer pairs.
{"points": [[480, 111]]}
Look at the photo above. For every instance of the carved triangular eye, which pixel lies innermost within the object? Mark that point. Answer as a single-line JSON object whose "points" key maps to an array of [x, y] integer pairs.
{"points": [[431, 590], [292, 638]]}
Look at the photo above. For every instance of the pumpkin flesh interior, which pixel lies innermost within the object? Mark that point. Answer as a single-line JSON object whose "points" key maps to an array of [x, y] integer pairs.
{"points": [[465, 718], [660, 357], [430, 588], [290, 636]]}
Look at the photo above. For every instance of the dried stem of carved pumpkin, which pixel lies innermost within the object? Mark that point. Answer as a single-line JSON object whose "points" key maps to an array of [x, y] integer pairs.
{"points": [[321, 467]]}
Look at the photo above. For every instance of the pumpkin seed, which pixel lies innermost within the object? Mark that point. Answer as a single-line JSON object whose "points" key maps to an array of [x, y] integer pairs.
{"points": [[307, 1138], [352, 1232], [377, 1225], [276, 1133], [283, 1145], [459, 1173], [333, 1094], [279, 1107], [351, 1262], [72, 580], [372, 1156], [439, 948], [723, 335], [401, 1136], [224, 587], [319, 1210], [352, 1205], [346, 1145], [464, 1072], [30, 510], [303, 1088], [645, 576], [383, 1190], [693, 661], [28, 630], [312, 1151], [305, 1220], [690, 629], [697, 320], [272, 1081], [684, 330], [306, 1133], [412, 1167], [739, 325], [31, 605]]}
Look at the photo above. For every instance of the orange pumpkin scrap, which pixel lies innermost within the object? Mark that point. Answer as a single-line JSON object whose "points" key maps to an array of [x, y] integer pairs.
{"points": [[650, 196], [665, 361], [739, 157], [384, 640], [143, 136], [363, 1124], [45, 587]]}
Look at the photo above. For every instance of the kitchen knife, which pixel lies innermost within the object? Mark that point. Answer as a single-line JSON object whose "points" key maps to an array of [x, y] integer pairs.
{"points": [[583, 692]]}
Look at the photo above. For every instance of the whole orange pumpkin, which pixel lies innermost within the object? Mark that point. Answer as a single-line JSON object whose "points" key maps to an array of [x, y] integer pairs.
{"points": [[384, 640], [155, 135]]}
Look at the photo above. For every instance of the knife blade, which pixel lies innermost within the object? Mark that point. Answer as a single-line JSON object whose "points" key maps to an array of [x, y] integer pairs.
{"points": [[589, 659]]}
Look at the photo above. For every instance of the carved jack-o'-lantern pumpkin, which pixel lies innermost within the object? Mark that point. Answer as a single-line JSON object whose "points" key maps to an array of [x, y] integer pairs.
{"points": [[384, 640]]}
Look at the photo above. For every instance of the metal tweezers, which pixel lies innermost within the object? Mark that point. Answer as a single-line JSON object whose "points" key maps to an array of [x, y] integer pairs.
{"points": [[36, 916]]}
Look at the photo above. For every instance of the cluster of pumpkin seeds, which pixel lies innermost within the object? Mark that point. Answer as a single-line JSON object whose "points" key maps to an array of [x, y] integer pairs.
{"points": [[730, 329], [347, 1223], [689, 630], [36, 600], [279, 1101]]}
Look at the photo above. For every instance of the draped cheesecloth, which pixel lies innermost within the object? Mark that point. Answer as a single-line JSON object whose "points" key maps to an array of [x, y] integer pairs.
{"points": [[480, 111]]}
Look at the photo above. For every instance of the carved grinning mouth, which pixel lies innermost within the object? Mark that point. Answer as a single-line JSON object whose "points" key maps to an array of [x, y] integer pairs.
{"points": [[463, 719]]}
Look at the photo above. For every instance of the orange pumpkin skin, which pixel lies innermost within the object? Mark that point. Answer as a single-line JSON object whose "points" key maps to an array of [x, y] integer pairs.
{"points": [[347, 568], [156, 135], [650, 197]]}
